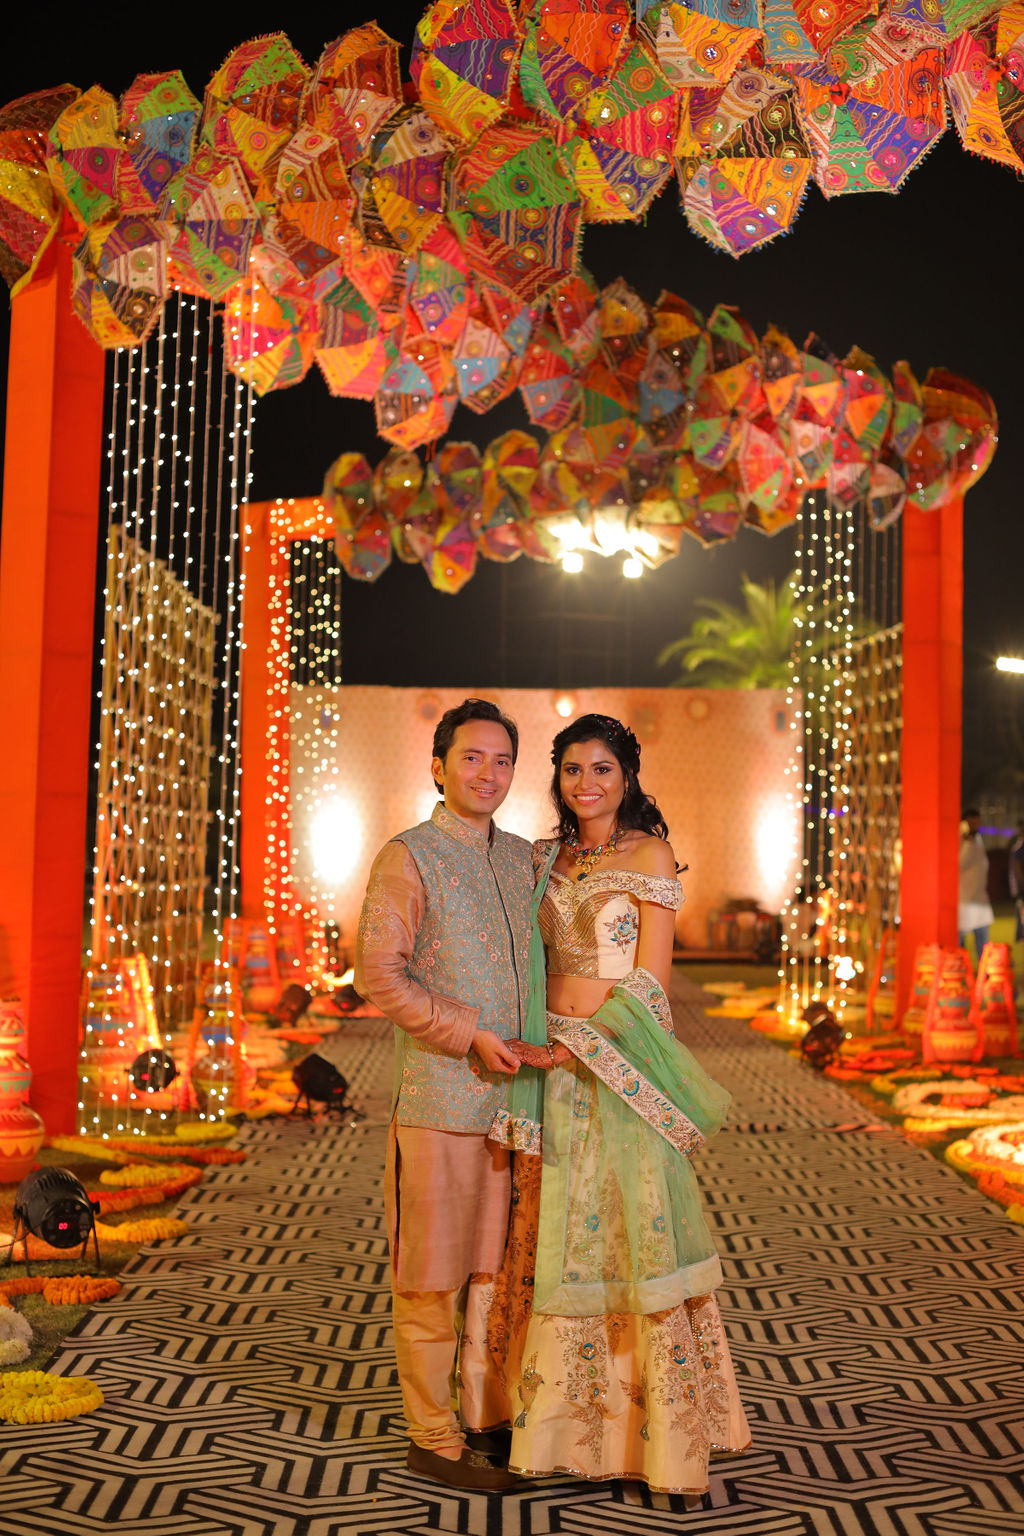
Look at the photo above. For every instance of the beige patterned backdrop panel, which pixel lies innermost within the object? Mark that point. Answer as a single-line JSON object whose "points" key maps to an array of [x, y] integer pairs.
{"points": [[715, 760]]}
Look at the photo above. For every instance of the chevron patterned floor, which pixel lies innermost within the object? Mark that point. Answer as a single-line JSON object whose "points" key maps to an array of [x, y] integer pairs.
{"points": [[874, 1303]]}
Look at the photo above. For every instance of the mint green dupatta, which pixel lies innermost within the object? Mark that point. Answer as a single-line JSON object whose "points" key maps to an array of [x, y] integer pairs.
{"points": [[620, 1227]]}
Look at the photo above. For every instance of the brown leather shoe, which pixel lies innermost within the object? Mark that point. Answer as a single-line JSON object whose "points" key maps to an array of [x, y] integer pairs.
{"points": [[495, 1444], [470, 1471]]}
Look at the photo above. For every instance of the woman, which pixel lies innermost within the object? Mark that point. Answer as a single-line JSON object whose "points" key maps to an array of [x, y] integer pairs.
{"points": [[614, 1358]]}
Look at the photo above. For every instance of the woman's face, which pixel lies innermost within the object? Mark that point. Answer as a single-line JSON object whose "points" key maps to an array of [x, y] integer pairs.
{"points": [[591, 780]]}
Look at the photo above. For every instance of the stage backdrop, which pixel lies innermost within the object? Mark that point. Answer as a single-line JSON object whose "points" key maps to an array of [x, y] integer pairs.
{"points": [[714, 759]]}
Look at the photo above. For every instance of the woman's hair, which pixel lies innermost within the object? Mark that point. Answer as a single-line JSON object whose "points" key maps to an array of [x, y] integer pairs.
{"points": [[638, 811]]}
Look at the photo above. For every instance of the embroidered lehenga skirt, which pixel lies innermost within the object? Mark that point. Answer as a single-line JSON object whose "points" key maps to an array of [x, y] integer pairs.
{"points": [[603, 1321]]}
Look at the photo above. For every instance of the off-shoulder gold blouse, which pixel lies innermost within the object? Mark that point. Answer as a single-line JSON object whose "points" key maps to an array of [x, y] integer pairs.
{"points": [[590, 927]]}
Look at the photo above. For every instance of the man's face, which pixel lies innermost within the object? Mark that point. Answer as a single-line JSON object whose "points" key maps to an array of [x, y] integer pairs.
{"points": [[477, 772]]}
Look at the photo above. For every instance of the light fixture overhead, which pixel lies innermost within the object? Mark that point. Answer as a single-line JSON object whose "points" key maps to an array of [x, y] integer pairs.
{"points": [[572, 562], [1010, 663], [632, 567]]}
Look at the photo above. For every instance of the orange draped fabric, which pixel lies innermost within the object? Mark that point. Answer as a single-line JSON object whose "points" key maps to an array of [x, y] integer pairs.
{"points": [[54, 448]]}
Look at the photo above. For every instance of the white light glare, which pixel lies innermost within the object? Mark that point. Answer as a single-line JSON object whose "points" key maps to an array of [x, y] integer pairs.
{"points": [[632, 567], [572, 562], [1010, 663], [336, 837]]}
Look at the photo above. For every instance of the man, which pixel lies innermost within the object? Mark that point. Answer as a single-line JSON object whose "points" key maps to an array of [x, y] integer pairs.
{"points": [[443, 951]]}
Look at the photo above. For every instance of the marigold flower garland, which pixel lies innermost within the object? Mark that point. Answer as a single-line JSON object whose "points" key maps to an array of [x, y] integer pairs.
{"points": [[151, 1229], [62, 1290], [139, 1175], [34, 1397]]}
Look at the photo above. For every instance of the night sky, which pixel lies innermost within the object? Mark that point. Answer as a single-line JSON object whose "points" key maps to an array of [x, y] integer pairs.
{"points": [[932, 275]]}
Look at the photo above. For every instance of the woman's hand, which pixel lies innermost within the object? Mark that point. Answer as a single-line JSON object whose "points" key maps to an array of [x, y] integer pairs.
{"points": [[530, 1055]]}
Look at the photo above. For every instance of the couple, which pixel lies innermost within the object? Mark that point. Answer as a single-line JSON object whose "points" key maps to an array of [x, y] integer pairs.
{"points": [[544, 1220]]}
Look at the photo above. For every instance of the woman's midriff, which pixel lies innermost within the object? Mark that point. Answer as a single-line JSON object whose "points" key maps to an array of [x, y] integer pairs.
{"points": [[579, 996]]}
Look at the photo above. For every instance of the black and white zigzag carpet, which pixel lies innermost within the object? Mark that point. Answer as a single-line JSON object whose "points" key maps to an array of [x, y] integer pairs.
{"points": [[873, 1300]]}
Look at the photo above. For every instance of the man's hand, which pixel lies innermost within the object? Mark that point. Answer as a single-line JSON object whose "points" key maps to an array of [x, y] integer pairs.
{"points": [[494, 1052], [531, 1055]]}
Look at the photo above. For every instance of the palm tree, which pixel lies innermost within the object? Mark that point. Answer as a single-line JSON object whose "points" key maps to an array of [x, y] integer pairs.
{"points": [[733, 647]]}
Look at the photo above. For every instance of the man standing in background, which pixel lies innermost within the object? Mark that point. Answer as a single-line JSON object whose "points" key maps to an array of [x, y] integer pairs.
{"points": [[443, 951]]}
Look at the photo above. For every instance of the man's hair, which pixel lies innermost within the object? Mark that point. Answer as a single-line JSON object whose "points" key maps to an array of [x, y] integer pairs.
{"points": [[462, 714]]}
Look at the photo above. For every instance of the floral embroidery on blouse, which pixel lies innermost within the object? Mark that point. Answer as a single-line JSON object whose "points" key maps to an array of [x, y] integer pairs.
{"points": [[623, 930]]}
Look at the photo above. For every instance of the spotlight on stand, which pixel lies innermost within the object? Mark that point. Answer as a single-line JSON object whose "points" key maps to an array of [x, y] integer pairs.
{"points": [[820, 1046], [318, 1080], [153, 1071], [53, 1205], [292, 1004]]}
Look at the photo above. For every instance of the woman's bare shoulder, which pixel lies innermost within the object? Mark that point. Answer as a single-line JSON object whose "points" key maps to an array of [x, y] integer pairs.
{"points": [[650, 856]]}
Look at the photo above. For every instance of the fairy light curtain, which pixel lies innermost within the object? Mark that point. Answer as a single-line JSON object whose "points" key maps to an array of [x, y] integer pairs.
{"points": [[845, 707], [166, 866]]}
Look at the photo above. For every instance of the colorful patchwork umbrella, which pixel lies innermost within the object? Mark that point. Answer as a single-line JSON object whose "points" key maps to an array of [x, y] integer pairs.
{"points": [[706, 43], [960, 419], [781, 372], [463, 63], [709, 500], [662, 394], [984, 78], [624, 322], [397, 482], [678, 330], [417, 396], [779, 513], [508, 472], [270, 341], [159, 115], [452, 560], [875, 44], [887, 495], [516, 210], [785, 41], [626, 158], [574, 308], [459, 472], [28, 207], [356, 88], [352, 354], [215, 222], [362, 538], [120, 272], [943, 19], [407, 179], [822, 21], [549, 379], [571, 48], [908, 409], [766, 473], [382, 277], [314, 201], [868, 137], [84, 156], [251, 105], [489, 351], [438, 296]]}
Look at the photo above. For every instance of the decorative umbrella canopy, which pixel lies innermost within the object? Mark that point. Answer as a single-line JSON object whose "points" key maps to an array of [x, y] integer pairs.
{"points": [[877, 43], [352, 354], [251, 106], [624, 323], [781, 372], [944, 19], [733, 364], [773, 515], [570, 49], [662, 394], [459, 482], [438, 301], [678, 330], [822, 21], [382, 277], [215, 221], [868, 137], [549, 380], [627, 157], [463, 63], [960, 419], [28, 207], [765, 471], [508, 472], [743, 161], [985, 85], [609, 402], [159, 115], [869, 402], [785, 41], [120, 274], [270, 341], [417, 396], [452, 560], [362, 538], [486, 366], [516, 210], [397, 482], [407, 180], [887, 495], [314, 201], [706, 43], [84, 156], [709, 500], [356, 87], [908, 409]]}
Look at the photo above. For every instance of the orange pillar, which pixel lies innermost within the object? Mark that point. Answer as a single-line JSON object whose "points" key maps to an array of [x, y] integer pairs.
{"points": [[932, 736], [54, 447]]}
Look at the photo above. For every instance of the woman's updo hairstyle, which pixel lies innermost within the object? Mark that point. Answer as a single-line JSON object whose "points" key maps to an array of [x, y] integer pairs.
{"points": [[638, 812]]}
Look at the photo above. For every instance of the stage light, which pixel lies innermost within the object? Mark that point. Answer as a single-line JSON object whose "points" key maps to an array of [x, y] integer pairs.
{"points": [[1010, 663], [153, 1071], [565, 703], [319, 1080], [572, 562], [54, 1206], [632, 567], [336, 840]]}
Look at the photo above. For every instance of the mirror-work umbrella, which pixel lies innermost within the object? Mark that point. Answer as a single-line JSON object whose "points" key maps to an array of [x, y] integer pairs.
{"points": [[362, 537], [351, 353], [407, 180], [868, 137], [706, 43], [84, 154], [452, 559], [215, 222], [549, 380], [159, 115], [626, 157], [516, 210], [570, 49], [251, 107], [509, 469], [28, 207], [120, 272], [270, 341], [356, 87], [314, 201], [417, 396], [463, 63], [985, 86]]}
